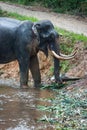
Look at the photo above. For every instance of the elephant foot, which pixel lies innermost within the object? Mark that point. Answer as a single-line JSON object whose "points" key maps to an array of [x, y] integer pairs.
{"points": [[37, 85], [24, 86], [57, 80]]}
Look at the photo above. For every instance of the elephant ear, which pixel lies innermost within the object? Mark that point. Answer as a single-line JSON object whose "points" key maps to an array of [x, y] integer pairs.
{"points": [[35, 28]]}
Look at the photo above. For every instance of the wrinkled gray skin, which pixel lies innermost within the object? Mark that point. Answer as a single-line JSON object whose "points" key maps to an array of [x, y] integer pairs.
{"points": [[21, 41]]}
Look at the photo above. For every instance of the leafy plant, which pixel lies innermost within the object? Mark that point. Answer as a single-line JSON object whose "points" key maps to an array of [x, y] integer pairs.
{"points": [[1, 12], [67, 111]]}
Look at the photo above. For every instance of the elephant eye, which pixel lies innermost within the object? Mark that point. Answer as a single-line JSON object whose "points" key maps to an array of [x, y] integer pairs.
{"points": [[40, 30], [48, 27]]}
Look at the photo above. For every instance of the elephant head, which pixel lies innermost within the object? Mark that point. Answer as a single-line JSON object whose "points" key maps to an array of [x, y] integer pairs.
{"points": [[47, 37]]}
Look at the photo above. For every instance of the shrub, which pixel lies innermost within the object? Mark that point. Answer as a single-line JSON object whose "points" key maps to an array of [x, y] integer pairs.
{"points": [[75, 6]]}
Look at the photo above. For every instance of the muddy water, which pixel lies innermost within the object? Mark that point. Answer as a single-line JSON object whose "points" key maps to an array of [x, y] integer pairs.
{"points": [[18, 108]]}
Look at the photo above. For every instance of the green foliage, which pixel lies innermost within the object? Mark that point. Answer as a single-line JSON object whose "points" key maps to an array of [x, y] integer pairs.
{"points": [[1, 12], [68, 110], [25, 2], [54, 86], [17, 16], [76, 6], [62, 6], [20, 17]]}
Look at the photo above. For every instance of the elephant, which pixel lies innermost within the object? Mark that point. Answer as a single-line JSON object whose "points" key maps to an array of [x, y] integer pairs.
{"points": [[22, 40]]}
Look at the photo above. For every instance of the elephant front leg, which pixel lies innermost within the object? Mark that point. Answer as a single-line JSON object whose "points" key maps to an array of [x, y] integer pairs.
{"points": [[57, 71], [24, 69], [35, 71]]}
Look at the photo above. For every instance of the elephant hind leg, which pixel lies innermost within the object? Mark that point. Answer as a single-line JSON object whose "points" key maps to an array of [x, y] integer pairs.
{"points": [[24, 69], [35, 71]]}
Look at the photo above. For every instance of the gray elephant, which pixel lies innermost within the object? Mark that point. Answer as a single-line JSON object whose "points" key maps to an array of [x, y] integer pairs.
{"points": [[21, 41]]}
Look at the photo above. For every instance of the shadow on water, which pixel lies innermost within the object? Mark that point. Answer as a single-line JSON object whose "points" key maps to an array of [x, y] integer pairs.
{"points": [[18, 108]]}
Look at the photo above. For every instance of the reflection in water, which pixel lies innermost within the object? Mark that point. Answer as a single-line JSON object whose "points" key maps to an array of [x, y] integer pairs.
{"points": [[18, 109]]}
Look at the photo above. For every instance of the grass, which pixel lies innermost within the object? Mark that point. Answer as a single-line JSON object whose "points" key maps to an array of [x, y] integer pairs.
{"points": [[73, 36], [20, 17], [17, 16]]}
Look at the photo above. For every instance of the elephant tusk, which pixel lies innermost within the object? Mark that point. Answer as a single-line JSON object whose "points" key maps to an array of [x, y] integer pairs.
{"points": [[72, 54], [61, 57]]}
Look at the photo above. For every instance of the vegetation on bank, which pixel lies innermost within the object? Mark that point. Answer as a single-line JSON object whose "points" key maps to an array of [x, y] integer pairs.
{"points": [[78, 7], [17, 16], [68, 110]]}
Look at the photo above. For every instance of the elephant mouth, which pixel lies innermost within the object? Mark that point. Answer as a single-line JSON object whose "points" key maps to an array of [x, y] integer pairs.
{"points": [[63, 56]]}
